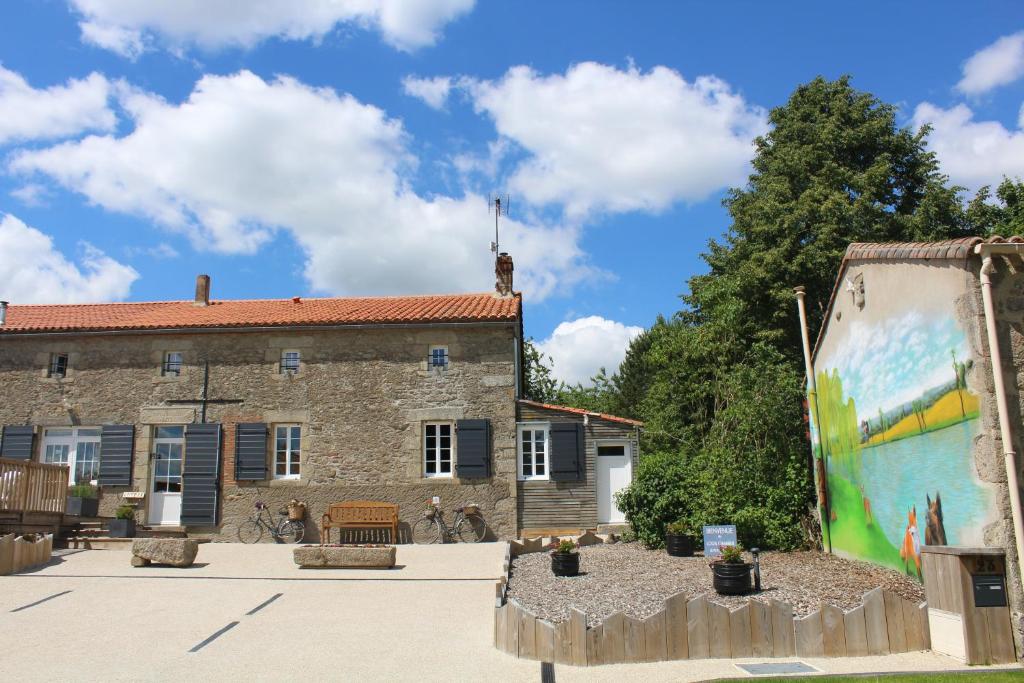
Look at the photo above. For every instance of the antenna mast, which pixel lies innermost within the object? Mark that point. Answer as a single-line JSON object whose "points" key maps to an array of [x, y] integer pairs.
{"points": [[499, 210]]}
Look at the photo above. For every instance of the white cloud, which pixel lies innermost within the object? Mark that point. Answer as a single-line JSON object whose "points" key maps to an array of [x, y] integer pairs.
{"points": [[433, 91], [28, 113], [242, 158], [31, 194], [972, 153], [579, 348], [129, 27], [998, 64], [32, 270], [601, 138]]}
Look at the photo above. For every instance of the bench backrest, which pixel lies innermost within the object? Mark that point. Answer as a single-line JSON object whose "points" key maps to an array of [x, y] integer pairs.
{"points": [[362, 511]]}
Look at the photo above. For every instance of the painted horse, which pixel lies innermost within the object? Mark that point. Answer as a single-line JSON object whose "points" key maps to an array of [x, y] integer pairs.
{"points": [[910, 551], [935, 532]]}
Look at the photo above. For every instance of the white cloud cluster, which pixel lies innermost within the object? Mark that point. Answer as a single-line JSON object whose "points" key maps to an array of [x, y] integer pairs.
{"points": [[241, 158], [33, 270], [997, 64], [601, 138], [28, 113], [129, 27], [581, 347], [433, 91], [972, 153]]}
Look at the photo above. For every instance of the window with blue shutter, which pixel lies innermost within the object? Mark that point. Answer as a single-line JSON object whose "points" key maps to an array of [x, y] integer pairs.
{"points": [[473, 449], [116, 445], [200, 475], [251, 451], [567, 458], [18, 441]]}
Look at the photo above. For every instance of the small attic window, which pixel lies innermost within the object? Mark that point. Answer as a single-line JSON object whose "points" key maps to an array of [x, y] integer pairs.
{"points": [[58, 365], [290, 360], [438, 358]]}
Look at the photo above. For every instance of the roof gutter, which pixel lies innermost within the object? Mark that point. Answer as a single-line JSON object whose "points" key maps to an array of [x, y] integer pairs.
{"points": [[987, 251], [264, 328]]}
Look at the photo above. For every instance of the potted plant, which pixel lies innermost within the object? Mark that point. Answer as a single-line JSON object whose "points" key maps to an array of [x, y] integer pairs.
{"points": [[565, 561], [83, 501], [731, 573], [679, 539], [124, 524]]}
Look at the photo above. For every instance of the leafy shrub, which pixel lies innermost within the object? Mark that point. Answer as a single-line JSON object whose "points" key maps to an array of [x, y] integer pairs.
{"points": [[566, 546], [125, 512], [82, 491], [656, 497], [732, 554]]}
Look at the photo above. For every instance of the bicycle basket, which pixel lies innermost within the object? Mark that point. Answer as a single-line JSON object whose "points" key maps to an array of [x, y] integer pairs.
{"points": [[471, 509]]}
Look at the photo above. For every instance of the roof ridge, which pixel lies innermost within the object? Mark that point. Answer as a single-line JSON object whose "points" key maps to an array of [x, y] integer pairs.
{"points": [[385, 297], [581, 411]]}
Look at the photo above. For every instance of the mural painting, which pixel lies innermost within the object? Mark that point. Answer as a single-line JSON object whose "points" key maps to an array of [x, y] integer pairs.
{"points": [[894, 426]]}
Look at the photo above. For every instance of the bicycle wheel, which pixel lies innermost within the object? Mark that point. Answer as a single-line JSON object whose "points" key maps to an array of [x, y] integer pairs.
{"points": [[471, 529], [291, 531], [426, 530], [250, 531]]}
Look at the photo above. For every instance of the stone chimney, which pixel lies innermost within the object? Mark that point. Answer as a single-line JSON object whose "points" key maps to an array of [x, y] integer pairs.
{"points": [[503, 273], [202, 291]]}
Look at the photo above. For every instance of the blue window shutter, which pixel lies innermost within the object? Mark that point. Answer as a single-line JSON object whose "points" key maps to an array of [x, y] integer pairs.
{"points": [[116, 445], [17, 442], [567, 456], [250, 451], [473, 449], [200, 480]]}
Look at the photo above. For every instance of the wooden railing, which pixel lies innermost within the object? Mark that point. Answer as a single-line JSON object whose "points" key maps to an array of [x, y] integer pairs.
{"points": [[32, 486]]}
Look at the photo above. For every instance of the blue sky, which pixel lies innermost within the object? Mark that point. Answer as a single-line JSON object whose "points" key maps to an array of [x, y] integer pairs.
{"points": [[315, 148]]}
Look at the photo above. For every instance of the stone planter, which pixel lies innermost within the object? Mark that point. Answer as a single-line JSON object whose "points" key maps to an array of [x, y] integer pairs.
{"points": [[731, 578], [345, 556], [82, 507], [121, 528]]}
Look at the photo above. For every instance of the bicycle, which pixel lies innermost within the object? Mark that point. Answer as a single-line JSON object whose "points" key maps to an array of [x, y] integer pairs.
{"points": [[285, 531], [468, 526]]}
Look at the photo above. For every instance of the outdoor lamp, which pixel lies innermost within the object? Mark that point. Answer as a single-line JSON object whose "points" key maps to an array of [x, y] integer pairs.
{"points": [[757, 569]]}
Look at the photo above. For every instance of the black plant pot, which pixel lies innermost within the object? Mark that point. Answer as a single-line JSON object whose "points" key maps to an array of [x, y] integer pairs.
{"points": [[678, 546], [121, 528], [730, 578], [565, 564], [82, 507]]}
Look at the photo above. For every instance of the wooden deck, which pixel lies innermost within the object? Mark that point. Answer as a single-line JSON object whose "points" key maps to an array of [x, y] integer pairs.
{"points": [[32, 496]]}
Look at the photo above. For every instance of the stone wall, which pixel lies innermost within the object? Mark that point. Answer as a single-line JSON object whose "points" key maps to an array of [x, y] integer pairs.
{"points": [[361, 396]]}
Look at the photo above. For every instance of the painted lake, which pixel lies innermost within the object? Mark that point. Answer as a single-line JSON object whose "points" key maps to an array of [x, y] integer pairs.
{"points": [[900, 474]]}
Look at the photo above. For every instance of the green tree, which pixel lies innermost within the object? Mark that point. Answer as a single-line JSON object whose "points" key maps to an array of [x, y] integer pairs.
{"points": [[538, 382], [1003, 217]]}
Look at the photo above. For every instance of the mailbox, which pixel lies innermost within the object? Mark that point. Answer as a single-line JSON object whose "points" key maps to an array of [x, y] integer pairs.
{"points": [[968, 613]]}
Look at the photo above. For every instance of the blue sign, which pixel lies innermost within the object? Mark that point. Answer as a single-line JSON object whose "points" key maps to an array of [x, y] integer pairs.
{"points": [[717, 536]]}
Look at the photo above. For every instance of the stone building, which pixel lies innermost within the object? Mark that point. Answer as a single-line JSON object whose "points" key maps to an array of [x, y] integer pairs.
{"points": [[916, 441], [202, 408]]}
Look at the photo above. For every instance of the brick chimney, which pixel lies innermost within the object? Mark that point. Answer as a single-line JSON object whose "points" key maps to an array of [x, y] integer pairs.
{"points": [[503, 273], [202, 291]]}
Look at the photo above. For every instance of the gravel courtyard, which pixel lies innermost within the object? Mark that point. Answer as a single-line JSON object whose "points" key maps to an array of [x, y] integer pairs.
{"points": [[628, 577]]}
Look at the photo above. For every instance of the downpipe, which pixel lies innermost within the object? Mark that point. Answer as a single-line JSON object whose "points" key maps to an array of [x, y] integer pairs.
{"points": [[995, 356]]}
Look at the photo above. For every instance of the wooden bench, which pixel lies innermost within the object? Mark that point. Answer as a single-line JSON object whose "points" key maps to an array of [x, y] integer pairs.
{"points": [[360, 514]]}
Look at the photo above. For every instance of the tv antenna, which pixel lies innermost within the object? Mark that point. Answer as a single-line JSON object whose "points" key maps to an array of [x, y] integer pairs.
{"points": [[500, 209]]}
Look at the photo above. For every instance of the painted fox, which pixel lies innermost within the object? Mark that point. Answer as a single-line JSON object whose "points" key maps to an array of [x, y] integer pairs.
{"points": [[911, 548]]}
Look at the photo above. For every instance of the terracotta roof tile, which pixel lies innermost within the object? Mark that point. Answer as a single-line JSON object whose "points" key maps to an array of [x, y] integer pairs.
{"points": [[581, 411], [161, 315]]}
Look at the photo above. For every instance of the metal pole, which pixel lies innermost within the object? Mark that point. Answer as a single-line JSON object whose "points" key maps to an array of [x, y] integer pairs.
{"points": [[812, 396]]}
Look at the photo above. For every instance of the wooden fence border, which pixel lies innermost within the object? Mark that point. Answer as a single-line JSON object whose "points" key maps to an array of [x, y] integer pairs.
{"points": [[18, 553]]}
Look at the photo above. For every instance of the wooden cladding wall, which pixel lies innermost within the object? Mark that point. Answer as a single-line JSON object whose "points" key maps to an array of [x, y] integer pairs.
{"points": [[568, 504], [698, 629]]}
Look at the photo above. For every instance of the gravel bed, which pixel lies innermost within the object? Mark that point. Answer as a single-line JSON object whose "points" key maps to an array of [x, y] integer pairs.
{"points": [[628, 577]]}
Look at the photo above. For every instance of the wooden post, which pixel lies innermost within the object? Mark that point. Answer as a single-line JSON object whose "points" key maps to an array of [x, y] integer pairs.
{"points": [[810, 641], [874, 621], [894, 622], [633, 636], [783, 635], [613, 647], [675, 627], [513, 627], [563, 642], [655, 638], [578, 628], [594, 637], [856, 632], [719, 638], [527, 635], [834, 631], [6, 554], [697, 628], [739, 631], [912, 625], [545, 639], [760, 629]]}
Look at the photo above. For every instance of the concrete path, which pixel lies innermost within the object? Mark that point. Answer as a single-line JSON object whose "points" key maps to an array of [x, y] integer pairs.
{"points": [[246, 613]]}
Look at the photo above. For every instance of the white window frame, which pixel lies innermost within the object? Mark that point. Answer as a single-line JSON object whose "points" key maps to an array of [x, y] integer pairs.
{"points": [[169, 479], [53, 362], [430, 357], [520, 443], [288, 462], [164, 372], [438, 474], [75, 441], [298, 364]]}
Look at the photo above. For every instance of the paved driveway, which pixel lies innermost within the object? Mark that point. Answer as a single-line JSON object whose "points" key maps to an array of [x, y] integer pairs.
{"points": [[246, 613]]}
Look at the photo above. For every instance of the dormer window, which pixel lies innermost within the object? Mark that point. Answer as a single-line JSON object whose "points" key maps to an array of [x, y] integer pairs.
{"points": [[438, 358], [290, 360], [58, 365], [172, 364]]}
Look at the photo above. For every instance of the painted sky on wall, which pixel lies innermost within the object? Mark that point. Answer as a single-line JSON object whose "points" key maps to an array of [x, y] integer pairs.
{"points": [[344, 147], [887, 363]]}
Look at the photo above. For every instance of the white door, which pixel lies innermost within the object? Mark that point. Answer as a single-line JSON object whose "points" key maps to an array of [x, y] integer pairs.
{"points": [[614, 473], [165, 490]]}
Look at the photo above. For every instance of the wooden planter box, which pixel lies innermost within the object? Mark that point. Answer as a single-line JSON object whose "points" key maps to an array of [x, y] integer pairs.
{"points": [[349, 557]]}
